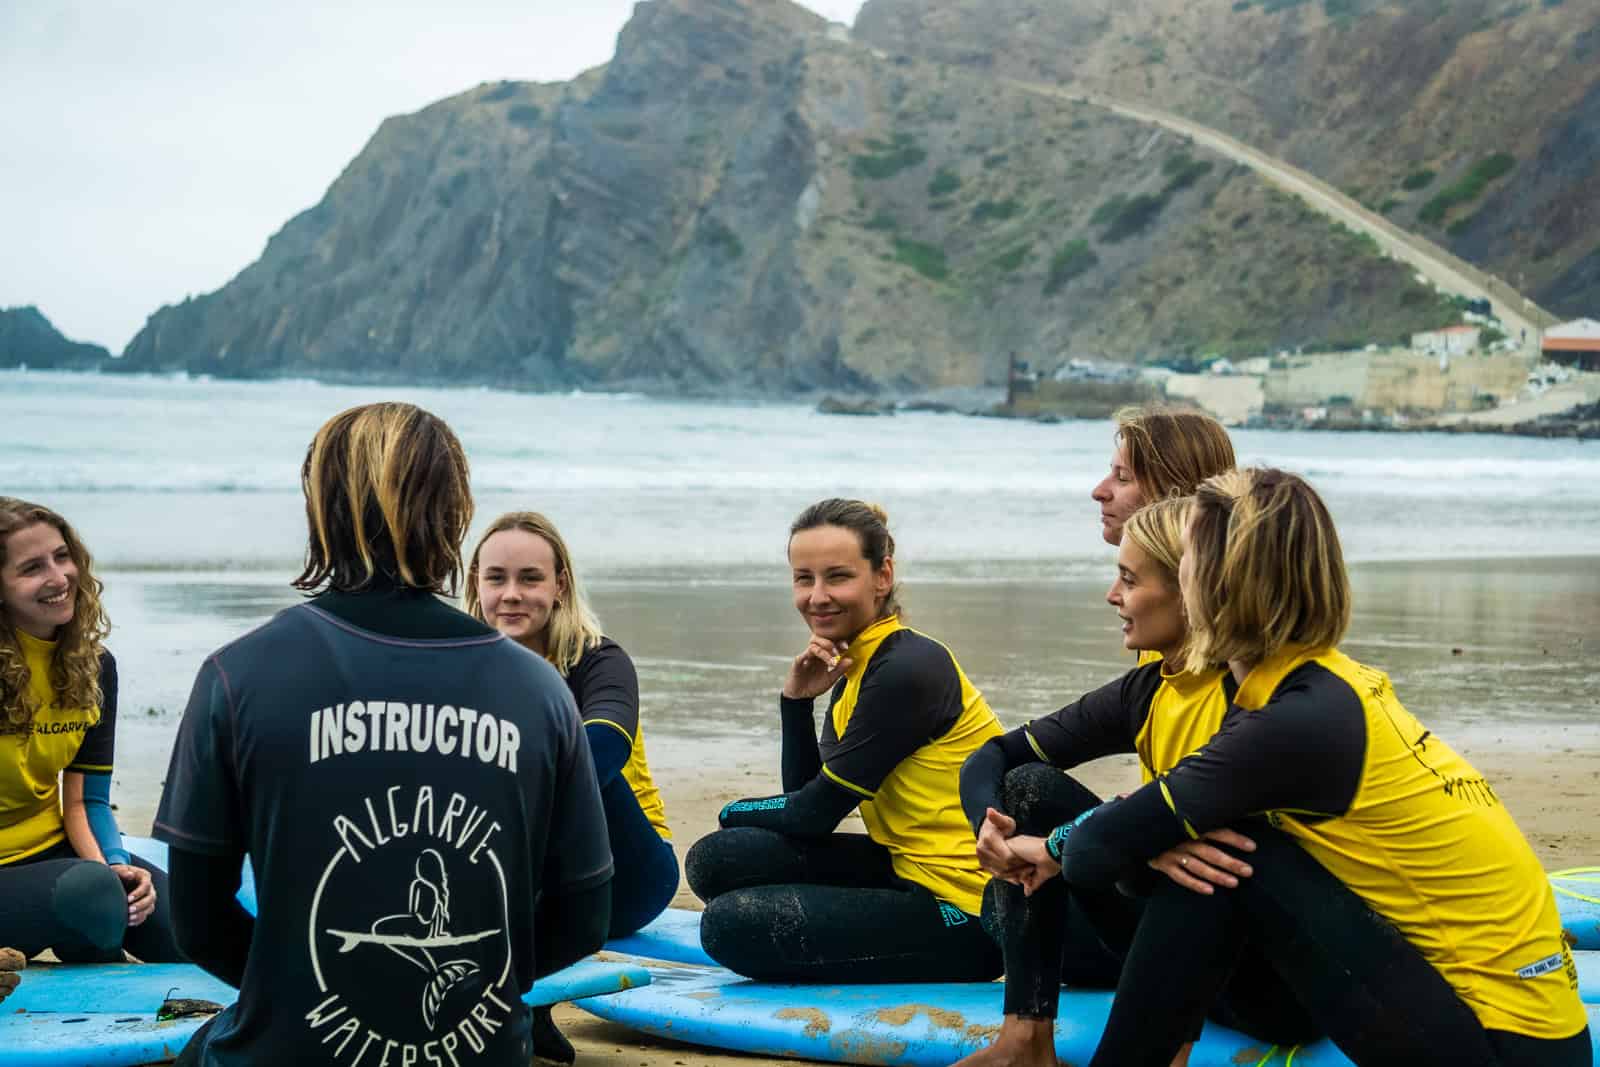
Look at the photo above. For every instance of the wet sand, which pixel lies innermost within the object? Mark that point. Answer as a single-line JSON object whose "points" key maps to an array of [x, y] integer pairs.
{"points": [[1496, 656]]}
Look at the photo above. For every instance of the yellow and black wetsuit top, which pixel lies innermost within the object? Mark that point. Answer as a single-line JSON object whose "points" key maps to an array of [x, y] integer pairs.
{"points": [[606, 688], [899, 725], [1322, 746], [1160, 716], [32, 756]]}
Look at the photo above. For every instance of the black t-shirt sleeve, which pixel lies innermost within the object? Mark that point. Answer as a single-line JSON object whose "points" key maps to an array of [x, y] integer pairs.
{"points": [[1303, 753], [1102, 722], [200, 808], [606, 687], [910, 695], [578, 851], [95, 753]]}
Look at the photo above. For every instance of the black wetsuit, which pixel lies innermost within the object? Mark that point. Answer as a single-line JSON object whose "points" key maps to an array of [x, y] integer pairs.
{"points": [[53, 899], [1392, 893], [606, 688], [787, 899], [1080, 935]]}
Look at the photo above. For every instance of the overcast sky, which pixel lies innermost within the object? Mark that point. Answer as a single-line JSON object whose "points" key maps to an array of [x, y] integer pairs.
{"points": [[148, 150]]}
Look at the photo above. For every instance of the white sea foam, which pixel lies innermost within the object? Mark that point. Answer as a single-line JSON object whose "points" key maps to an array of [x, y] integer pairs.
{"points": [[167, 470]]}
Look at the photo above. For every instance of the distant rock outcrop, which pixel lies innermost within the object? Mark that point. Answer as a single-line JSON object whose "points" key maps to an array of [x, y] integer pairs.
{"points": [[28, 340], [743, 202]]}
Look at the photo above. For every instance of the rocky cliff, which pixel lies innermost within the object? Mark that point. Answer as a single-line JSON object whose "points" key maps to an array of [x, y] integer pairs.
{"points": [[1475, 122], [27, 339], [745, 199]]}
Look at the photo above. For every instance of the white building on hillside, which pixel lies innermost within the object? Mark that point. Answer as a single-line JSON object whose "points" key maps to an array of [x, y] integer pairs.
{"points": [[1450, 341]]}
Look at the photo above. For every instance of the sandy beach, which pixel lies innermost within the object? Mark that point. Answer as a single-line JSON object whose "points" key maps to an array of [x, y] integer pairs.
{"points": [[1496, 656]]}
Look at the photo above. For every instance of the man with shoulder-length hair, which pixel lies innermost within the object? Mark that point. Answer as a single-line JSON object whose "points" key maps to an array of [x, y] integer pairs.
{"points": [[414, 791]]}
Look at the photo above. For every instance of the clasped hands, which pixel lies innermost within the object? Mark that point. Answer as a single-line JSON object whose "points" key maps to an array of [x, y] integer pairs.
{"points": [[1023, 859]]}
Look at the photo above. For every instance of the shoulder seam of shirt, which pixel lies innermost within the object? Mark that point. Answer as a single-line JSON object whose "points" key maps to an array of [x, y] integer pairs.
{"points": [[599, 721], [847, 785], [403, 642]]}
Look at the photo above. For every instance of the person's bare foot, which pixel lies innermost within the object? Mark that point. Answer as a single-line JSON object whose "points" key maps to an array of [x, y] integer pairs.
{"points": [[11, 961], [1020, 1043]]}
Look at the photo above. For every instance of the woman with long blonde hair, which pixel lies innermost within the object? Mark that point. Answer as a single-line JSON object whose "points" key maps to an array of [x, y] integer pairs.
{"points": [[66, 881], [1388, 887], [521, 580]]}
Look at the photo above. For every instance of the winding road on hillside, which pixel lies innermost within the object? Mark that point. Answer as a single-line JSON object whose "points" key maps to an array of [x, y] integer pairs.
{"points": [[1520, 317]]}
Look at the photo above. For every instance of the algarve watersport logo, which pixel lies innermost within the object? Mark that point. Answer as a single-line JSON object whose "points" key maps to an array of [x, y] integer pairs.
{"points": [[383, 936]]}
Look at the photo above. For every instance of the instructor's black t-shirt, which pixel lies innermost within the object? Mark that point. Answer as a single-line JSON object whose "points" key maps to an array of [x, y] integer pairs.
{"points": [[404, 801]]}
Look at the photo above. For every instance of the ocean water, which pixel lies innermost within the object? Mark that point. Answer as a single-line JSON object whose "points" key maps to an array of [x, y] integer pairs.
{"points": [[1477, 558], [185, 475]]}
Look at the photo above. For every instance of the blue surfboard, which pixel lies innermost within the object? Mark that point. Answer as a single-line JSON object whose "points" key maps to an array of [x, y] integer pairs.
{"points": [[910, 1025], [1578, 898], [91, 1039], [139, 988], [676, 934], [74, 1015]]}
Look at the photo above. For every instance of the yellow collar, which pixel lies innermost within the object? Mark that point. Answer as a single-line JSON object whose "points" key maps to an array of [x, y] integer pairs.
{"points": [[862, 644], [1190, 682], [1263, 679], [33, 646]]}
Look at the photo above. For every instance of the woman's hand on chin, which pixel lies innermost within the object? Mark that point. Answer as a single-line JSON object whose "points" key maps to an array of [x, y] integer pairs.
{"points": [[816, 669]]}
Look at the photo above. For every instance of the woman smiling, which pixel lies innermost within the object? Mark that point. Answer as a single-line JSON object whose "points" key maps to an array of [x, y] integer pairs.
{"points": [[522, 582], [66, 882], [787, 898]]}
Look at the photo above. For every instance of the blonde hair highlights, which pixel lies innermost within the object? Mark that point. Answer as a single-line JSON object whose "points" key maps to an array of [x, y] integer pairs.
{"points": [[573, 628], [75, 663], [387, 493], [1266, 571], [1171, 452]]}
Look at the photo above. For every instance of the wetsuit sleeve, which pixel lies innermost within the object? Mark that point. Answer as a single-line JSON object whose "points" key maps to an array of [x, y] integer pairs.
{"points": [[93, 760], [812, 805], [1303, 753], [606, 687], [1104, 721], [802, 760], [210, 925], [813, 810], [910, 695], [95, 752], [102, 821], [578, 850], [199, 808], [570, 926]]}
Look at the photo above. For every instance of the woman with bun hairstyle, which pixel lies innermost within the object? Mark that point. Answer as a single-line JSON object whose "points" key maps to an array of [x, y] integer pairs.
{"points": [[1157, 453], [522, 582], [1014, 785], [1388, 886], [788, 898], [66, 881]]}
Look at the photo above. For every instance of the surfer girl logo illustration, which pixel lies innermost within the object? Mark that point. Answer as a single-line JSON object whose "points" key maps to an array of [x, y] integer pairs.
{"points": [[414, 935], [415, 878]]}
